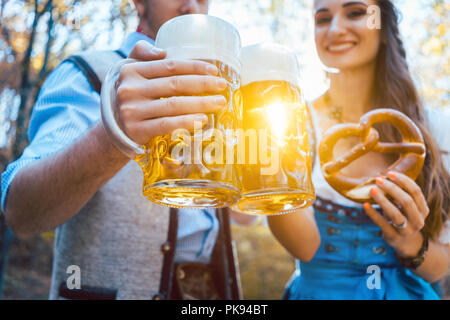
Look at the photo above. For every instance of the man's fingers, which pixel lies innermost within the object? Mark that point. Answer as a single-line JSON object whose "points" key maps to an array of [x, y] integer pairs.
{"points": [[142, 132], [171, 67], [185, 85], [169, 107], [144, 51]]}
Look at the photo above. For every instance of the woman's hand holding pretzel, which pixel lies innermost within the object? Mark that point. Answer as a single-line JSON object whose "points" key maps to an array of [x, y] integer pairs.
{"points": [[405, 210]]}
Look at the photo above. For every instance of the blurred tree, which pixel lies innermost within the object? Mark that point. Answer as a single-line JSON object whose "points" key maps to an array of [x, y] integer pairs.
{"points": [[435, 74], [427, 36], [35, 36]]}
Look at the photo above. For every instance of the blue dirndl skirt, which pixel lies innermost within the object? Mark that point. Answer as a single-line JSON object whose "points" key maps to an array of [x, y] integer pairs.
{"points": [[353, 262]]}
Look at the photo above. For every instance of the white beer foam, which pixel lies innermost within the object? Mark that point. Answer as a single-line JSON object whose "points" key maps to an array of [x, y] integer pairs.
{"points": [[200, 36], [269, 61]]}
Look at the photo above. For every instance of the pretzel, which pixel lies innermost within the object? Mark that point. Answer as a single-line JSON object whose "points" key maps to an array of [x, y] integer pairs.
{"points": [[412, 152]]}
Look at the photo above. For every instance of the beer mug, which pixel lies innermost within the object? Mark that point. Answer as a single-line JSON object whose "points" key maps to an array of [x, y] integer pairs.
{"points": [[186, 169], [276, 171]]}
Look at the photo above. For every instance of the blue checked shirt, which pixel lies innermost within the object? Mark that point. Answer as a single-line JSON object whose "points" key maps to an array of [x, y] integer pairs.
{"points": [[66, 108]]}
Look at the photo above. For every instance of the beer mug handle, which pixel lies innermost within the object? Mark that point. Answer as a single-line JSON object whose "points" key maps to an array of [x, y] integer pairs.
{"points": [[110, 113]]}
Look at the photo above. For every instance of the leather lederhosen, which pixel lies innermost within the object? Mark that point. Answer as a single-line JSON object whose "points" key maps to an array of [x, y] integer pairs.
{"points": [[223, 265]]}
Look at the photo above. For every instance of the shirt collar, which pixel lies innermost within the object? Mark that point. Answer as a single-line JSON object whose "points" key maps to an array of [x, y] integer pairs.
{"points": [[132, 39]]}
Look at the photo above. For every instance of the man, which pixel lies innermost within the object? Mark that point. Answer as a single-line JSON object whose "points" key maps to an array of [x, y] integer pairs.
{"points": [[72, 177]]}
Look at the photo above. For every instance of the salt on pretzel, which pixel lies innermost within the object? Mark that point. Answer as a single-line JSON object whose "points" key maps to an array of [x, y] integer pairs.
{"points": [[412, 152]]}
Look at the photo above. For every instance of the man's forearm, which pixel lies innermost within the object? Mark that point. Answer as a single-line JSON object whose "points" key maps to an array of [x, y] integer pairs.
{"points": [[52, 190]]}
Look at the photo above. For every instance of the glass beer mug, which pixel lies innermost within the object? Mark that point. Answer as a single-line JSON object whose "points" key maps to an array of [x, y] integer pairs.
{"points": [[276, 171], [186, 169]]}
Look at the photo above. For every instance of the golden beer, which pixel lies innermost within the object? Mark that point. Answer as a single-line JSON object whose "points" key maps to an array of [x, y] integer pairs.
{"points": [[276, 173], [188, 169]]}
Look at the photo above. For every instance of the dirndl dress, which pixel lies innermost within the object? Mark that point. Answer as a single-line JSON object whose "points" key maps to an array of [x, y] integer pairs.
{"points": [[353, 262]]}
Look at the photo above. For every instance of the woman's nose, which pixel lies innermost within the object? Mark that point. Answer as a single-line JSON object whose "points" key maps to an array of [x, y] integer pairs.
{"points": [[337, 26]]}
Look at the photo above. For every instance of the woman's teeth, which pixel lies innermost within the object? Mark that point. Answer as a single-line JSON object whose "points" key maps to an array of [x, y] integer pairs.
{"points": [[340, 47]]}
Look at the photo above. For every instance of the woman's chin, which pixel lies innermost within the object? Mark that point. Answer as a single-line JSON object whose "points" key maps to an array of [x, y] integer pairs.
{"points": [[346, 62], [343, 65]]}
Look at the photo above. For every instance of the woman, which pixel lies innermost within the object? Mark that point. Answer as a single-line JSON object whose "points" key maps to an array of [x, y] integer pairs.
{"points": [[397, 251]]}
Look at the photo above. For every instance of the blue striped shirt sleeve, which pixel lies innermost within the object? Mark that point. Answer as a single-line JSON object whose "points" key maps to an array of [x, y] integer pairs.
{"points": [[65, 109]]}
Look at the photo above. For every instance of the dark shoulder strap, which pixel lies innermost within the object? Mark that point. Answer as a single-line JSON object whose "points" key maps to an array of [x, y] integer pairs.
{"points": [[95, 65], [168, 250], [224, 259]]}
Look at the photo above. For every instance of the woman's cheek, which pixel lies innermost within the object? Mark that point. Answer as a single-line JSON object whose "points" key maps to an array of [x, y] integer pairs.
{"points": [[371, 35], [372, 43], [319, 38]]}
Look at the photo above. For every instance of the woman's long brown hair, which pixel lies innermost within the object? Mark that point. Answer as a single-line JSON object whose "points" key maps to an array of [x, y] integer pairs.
{"points": [[395, 88]]}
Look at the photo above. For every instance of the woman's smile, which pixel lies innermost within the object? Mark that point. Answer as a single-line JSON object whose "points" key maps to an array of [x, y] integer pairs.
{"points": [[341, 47]]}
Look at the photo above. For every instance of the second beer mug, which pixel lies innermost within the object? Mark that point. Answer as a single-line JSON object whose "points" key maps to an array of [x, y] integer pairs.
{"points": [[276, 174], [186, 169]]}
